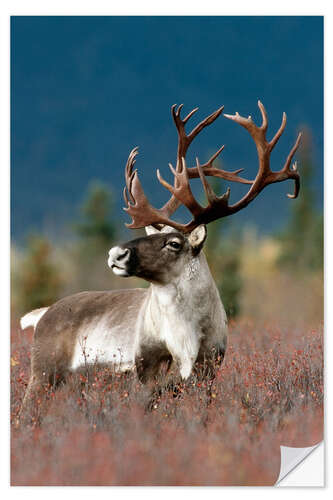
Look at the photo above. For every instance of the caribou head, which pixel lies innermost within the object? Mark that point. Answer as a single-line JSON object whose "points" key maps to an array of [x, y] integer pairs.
{"points": [[161, 257], [171, 246]]}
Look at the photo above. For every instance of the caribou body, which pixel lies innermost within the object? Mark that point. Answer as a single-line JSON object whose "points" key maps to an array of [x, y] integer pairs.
{"points": [[179, 320]]}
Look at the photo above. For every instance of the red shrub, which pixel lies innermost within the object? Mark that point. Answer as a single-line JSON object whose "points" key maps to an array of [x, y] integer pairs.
{"points": [[97, 431]]}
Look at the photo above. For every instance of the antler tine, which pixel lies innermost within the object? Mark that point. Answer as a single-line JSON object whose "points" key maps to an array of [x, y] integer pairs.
{"points": [[264, 124], [191, 113], [182, 190], [215, 203], [214, 156], [204, 123], [129, 174], [292, 172], [176, 114], [293, 150], [279, 132], [211, 196]]}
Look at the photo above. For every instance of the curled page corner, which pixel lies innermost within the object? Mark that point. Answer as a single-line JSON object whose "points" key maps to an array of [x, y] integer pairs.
{"points": [[291, 457]]}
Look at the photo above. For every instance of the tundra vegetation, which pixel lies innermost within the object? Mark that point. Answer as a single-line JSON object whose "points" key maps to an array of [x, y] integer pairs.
{"points": [[221, 431]]}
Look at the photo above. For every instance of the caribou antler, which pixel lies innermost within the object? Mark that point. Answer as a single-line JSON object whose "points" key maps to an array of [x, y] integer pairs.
{"points": [[144, 214]]}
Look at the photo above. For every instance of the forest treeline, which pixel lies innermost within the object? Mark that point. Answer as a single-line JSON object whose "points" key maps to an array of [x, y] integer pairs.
{"points": [[256, 275]]}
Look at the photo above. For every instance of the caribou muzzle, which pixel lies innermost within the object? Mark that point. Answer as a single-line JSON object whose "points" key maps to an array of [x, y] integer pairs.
{"points": [[119, 259]]}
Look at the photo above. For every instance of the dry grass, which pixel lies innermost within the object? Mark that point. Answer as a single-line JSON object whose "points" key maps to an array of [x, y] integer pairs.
{"points": [[268, 392], [271, 294]]}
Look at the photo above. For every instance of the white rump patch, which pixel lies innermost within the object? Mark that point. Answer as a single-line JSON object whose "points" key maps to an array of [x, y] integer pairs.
{"points": [[32, 318]]}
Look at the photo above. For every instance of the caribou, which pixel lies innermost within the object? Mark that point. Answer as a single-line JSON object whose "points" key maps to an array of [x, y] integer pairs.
{"points": [[179, 321]]}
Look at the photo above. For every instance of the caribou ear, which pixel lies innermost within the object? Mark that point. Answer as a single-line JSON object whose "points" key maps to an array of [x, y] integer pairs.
{"points": [[197, 237]]}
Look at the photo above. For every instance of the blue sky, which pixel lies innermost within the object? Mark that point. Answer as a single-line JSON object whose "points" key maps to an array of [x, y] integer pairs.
{"points": [[86, 90]]}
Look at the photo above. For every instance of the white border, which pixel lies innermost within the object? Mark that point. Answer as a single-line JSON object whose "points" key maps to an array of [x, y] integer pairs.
{"points": [[139, 7], [171, 7]]}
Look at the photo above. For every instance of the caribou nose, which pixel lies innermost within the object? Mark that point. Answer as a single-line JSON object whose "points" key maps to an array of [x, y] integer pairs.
{"points": [[123, 255], [119, 256]]}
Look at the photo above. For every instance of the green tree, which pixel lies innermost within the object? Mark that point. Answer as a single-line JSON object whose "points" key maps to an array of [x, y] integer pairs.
{"points": [[223, 254], [38, 280], [96, 233], [96, 229], [302, 239]]}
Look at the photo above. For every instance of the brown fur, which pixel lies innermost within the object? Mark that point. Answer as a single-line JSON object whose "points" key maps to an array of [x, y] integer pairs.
{"points": [[56, 332]]}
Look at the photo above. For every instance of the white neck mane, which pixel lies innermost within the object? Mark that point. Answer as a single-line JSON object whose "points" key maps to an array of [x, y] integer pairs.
{"points": [[177, 313]]}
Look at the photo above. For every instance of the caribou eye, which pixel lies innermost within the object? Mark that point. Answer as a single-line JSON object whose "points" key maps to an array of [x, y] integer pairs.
{"points": [[174, 244]]}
